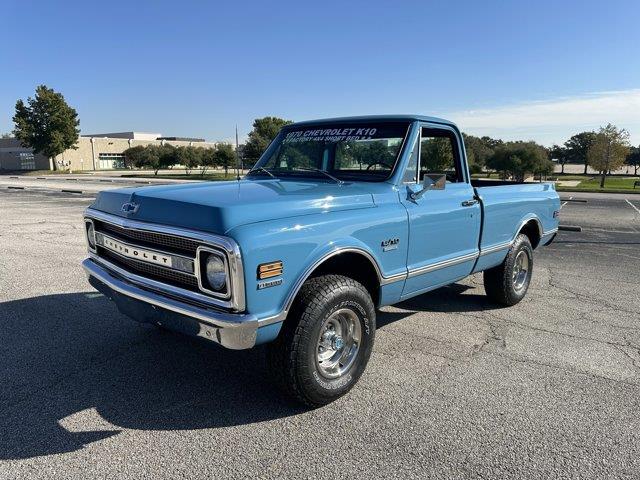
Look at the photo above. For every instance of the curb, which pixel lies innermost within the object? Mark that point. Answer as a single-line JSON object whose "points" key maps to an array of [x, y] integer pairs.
{"points": [[569, 228], [63, 190]]}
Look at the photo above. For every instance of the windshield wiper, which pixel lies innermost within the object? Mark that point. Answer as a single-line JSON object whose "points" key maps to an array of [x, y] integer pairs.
{"points": [[262, 169], [337, 180]]}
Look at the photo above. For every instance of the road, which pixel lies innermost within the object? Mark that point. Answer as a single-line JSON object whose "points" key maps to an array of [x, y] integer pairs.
{"points": [[456, 387], [88, 184]]}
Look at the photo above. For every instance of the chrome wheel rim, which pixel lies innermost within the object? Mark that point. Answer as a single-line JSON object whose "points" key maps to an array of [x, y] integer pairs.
{"points": [[338, 343], [521, 267]]}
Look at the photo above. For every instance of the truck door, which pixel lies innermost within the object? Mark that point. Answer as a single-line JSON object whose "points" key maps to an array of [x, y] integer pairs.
{"points": [[444, 224]]}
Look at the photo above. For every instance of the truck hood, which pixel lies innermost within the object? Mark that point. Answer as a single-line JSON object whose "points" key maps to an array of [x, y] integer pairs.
{"points": [[217, 207]]}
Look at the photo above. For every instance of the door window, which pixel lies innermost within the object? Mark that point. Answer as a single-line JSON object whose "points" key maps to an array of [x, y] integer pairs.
{"points": [[440, 155]]}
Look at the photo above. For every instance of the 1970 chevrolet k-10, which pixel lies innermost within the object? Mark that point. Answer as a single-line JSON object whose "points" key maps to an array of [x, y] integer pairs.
{"points": [[338, 218]]}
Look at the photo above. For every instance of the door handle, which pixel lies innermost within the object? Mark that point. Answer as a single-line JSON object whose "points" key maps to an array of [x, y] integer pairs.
{"points": [[469, 203]]}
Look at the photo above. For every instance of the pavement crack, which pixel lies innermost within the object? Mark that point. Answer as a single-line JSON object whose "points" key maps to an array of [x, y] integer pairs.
{"points": [[580, 296], [496, 337]]}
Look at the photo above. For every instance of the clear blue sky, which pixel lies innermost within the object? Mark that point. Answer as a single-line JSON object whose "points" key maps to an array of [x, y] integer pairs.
{"points": [[198, 68]]}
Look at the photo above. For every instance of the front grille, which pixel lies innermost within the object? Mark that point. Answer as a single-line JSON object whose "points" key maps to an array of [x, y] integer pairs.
{"points": [[134, 250], [151, 239], [154, 272]]}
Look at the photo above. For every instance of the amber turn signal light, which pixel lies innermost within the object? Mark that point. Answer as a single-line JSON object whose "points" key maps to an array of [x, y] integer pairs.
{"points": [[268, 270]]}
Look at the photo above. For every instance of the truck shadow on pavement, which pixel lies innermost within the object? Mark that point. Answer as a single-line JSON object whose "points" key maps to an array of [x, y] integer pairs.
{"points": [[445, 299], [74, 371]]}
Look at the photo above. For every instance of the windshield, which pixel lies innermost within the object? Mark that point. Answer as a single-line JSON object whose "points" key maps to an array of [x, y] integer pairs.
{"points": [[362, 151]]}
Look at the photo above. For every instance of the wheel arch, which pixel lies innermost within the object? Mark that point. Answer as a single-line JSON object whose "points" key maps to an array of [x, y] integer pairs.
{"points": [[532, 228], [353, 262]]}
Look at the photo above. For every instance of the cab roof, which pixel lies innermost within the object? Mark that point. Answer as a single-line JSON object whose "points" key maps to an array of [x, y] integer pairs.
{"points": [[374, 118]]}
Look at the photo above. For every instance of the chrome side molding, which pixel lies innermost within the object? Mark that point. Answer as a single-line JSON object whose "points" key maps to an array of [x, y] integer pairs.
{"points": [[443, 264]]}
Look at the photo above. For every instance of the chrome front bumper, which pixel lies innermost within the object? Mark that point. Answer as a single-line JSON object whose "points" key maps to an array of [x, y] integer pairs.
{"points": [[231, 330]]}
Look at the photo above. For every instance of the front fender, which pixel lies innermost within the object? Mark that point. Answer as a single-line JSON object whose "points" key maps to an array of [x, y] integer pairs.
{"points": [[303, 243]]}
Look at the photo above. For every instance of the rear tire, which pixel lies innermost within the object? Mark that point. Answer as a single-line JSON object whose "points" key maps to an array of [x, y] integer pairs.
{"points": [[326, 341], [508, 283]]}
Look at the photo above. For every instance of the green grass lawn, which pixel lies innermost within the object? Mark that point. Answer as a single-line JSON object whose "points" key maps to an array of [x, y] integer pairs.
{"points": [[611, 184]]}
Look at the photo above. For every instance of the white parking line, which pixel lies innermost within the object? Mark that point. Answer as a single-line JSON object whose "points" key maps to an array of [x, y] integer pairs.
{"points": [[633, 206], [570, 198]]}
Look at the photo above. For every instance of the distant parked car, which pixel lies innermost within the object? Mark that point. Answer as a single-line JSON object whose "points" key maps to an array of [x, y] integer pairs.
{"points": [[338, 218]]}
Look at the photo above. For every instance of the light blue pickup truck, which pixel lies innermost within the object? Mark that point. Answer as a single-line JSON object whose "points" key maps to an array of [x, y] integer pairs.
{"points": [[338, 218]]}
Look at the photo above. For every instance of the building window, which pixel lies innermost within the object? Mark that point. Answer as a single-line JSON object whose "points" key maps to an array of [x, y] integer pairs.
{"points": [[27, 161], [107, 161]]}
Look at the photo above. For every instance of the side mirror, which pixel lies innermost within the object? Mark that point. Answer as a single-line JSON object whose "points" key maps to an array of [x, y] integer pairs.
{"points": [[430, 182]]}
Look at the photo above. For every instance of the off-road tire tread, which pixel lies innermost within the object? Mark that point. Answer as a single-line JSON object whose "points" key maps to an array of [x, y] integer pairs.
{"points": [[497, 280], [283, 352]]}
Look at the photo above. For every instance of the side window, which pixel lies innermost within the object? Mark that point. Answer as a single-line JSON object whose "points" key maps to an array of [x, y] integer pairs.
{"points": [[439, 154]]}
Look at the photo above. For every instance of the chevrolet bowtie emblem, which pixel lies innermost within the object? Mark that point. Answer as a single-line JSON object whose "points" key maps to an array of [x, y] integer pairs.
{"points": [[129, 207]]}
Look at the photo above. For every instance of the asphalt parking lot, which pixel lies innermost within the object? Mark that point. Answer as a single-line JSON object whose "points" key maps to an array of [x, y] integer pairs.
{"points": [[456, 387]]}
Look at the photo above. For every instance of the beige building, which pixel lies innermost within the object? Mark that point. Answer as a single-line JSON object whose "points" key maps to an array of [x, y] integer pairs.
{"points": [[103, 151]]}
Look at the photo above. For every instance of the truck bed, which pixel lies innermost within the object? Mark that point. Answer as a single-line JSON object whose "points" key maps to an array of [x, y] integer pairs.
{"points": [[507, 205]]}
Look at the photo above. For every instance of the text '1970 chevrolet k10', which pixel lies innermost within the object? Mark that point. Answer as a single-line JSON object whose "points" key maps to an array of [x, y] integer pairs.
{"points": [[338, 218]]}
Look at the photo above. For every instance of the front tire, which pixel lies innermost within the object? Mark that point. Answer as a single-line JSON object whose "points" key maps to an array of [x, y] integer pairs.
{"points": [[508, 283], [326, 341]]}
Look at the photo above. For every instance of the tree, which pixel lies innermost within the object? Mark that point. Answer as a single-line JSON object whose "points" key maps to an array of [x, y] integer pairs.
{"points": [[189, 157], [224, 156], [479, 150], [560, 154], [609, 150], [264, 131], [633, 159], [136, 157], [164, 157], [154, 157], [207, 160], [577, 148], [517, 159], [356, 154], [436, 154], [46, 123], [5, 135]]}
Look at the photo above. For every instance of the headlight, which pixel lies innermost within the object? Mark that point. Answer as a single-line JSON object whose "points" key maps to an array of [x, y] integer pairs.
{"points": [[212, 271], [216, 272], [91, 235]]}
